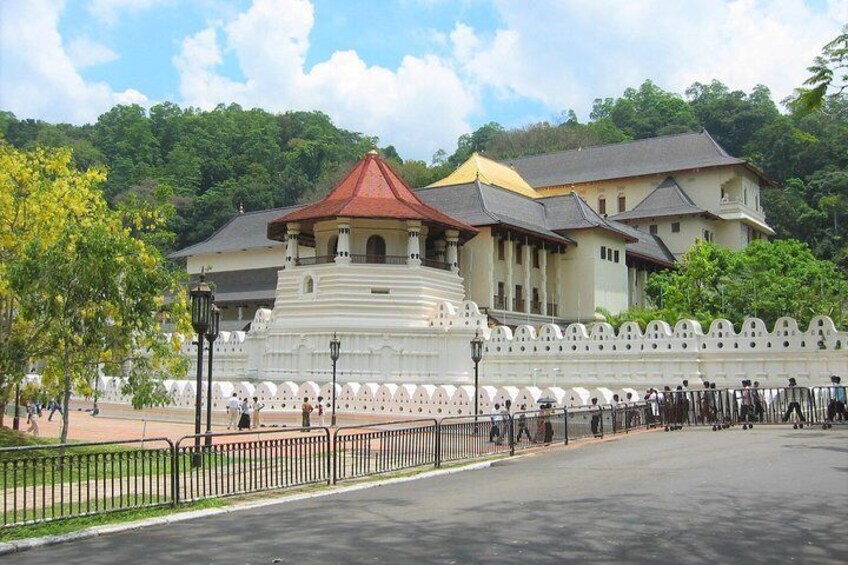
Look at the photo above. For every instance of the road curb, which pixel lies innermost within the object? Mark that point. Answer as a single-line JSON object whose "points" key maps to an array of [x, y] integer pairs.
{"points": [[17, 546]]}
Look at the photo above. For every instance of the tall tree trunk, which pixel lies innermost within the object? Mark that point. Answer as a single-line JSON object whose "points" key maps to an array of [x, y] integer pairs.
{"points": [[66, 400]]}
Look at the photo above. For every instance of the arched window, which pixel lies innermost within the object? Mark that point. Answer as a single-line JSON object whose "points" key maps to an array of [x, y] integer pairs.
{"points": [[375, 250], [333, 246], [308, 285]]}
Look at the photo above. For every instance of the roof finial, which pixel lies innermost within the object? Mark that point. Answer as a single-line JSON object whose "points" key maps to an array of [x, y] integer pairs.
{"points": [[373, 151]]}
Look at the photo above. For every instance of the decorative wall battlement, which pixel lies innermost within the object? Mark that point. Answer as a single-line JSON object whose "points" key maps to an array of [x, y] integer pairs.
{"points": [[659, 337]]}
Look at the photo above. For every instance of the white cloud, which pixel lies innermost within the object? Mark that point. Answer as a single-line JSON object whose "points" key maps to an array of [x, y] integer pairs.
{"points": [[108, 11], [564, 54], [84, 52], [38, 78], [419, 107]]}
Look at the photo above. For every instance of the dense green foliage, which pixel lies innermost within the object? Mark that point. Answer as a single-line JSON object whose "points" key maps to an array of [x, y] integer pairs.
{"points": [[216, 162], [766, 280]]}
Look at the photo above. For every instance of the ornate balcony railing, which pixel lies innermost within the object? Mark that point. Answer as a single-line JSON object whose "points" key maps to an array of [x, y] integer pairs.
{"points": [[499, 302], [379, 259], [535, 307], [319, 260], [434, 264], [518, 305]]}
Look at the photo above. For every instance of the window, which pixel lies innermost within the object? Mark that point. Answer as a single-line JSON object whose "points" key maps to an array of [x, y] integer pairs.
{"points": [[602, 205], [519, 293], [518, 253], [603, 252], [308, 285], [535, 257], [501, 290], [622, 203], [501, 249], [652, 229], [333, 246], [675, 227], [375, 250], [708, 235], [616, 255]]}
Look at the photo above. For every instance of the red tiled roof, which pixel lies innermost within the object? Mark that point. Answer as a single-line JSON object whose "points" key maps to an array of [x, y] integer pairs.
{"points": [[371, 190]]}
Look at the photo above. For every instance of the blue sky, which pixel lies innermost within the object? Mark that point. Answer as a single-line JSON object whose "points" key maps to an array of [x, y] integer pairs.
{"points": [[416, 73]]}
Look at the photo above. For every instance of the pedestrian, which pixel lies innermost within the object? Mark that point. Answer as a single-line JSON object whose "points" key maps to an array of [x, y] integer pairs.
{"points": [[616, 412], [233, 411], [653, 404], [522, 425], [686, 405], [321, 411], [757, 397], [305, 413], [746, 410], [629, 410], [257, 407], [794, 395], [32, 418], [549, 427], [596, 418], [495, 417], [54, 406], [707, 405], [244, 415], [836, 404], [506, 419]]}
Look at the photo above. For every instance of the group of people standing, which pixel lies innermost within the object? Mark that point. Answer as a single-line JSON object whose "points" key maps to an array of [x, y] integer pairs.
{"points": [[242, 414], [502, 421]]}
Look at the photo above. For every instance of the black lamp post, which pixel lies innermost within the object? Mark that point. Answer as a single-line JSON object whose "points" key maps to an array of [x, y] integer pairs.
{"points": [[16, 421], [211, 335], [201, 312], [476, 356], [335, 346]]}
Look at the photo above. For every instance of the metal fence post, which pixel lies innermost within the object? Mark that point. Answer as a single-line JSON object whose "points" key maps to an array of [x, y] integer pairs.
{"points": [[438, 429], [335, 456], [565, 419], [511, 435], [175, 472]]}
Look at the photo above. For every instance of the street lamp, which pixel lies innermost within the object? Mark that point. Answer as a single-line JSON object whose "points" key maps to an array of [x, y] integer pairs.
{"points": [[201, 312], [335, 346], [211, 336], [476, 356]]}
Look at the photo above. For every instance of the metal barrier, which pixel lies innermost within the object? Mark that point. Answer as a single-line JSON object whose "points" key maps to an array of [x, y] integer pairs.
{"points": [[231, 463], [43, 483], [359, 451], [52, 482], [830, 405]]}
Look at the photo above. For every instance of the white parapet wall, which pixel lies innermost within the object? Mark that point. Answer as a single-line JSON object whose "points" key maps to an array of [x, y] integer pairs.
{"points": [[597, 356]]}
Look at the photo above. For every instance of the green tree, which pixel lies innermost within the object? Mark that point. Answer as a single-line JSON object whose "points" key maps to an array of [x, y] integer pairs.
{"points": [[829, 78], [89, 282], [765, 280]]}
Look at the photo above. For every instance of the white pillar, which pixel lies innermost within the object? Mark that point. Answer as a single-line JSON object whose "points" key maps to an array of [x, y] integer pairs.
{"points": [[452, 237], [292, 231], [543, 266], [343, 242], [527, 264], [413, 255], [509, 260], [440, 250]]}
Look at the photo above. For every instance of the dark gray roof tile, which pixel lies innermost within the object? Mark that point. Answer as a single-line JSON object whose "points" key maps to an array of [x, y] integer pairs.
{"points": [[667, 199], [633, 158], [245, 231]]}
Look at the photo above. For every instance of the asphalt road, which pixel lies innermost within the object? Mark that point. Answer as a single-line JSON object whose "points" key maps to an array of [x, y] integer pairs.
{"points": [[771, 495]]}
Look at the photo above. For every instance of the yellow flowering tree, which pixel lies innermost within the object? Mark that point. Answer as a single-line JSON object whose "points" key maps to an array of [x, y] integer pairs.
{"points": [[87, 288]]}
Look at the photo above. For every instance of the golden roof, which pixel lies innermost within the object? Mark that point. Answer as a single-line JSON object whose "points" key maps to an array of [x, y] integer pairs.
{"points": [[489, 172]]}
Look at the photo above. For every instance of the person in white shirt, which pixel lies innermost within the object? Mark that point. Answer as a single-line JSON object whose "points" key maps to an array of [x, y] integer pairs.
{"points": [[233, 411], [257, 407], [495, 432]]}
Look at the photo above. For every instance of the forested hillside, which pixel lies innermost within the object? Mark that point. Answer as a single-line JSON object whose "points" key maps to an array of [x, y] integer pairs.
{"points": [[213, 162]]}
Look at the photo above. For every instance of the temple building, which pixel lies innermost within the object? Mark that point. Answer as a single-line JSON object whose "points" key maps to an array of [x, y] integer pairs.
{"points": [[540, 239]]}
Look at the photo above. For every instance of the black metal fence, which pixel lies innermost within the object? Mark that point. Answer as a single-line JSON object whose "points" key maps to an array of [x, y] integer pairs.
{"points": [[44, 483], [231, 463], [50, 482], [722, 408]]}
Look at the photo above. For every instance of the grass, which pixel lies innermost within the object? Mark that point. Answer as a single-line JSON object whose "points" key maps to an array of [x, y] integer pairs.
{"points": [[77, 524]]}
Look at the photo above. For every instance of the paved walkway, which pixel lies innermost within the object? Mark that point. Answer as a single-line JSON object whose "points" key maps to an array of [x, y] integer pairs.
{"points": [[771, 495]]}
